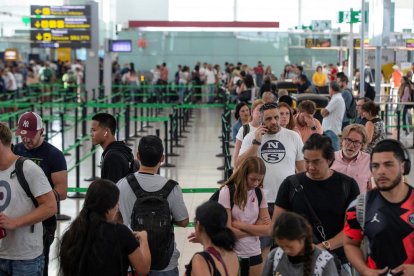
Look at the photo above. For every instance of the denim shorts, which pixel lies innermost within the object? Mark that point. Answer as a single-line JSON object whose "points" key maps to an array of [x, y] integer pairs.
{"points": [[33, 267]]}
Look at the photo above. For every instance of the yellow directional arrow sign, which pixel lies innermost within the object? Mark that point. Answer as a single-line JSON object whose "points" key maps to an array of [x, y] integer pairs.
{"points": [[39, 36], [47, 37], [37, 24], [38, 11]]}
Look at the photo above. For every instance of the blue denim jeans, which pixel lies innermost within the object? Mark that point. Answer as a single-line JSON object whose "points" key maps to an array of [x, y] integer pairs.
{"points": [[33, 267], [334, 139], [172, 272]]}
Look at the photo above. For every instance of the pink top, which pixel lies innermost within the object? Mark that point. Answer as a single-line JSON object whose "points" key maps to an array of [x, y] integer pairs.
{"points": [[248, 246], [358, 168]]}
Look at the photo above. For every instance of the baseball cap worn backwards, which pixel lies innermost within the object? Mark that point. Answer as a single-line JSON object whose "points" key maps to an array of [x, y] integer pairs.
{"points": [[28, 125]]}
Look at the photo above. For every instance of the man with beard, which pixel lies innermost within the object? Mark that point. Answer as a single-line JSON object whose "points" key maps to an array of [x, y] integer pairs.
{"points": [[384, 216], [280, 149], [351, 160], [306, 124]]}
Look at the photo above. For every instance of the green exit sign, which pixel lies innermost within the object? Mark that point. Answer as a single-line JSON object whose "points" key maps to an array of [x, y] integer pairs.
{"points": [[351, 16]]}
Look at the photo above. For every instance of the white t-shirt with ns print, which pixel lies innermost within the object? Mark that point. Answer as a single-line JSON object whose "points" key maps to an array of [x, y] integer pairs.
{"points": [[280, 152]]}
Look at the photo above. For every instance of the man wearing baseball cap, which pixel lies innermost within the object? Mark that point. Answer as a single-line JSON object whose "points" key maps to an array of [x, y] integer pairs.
{"points": [[50, 159]]}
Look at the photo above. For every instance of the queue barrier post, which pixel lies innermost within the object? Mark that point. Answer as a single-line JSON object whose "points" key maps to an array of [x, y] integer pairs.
{"points": [[93, 158], [62, 125], [77, 158], [171, 116], [166, 164]]}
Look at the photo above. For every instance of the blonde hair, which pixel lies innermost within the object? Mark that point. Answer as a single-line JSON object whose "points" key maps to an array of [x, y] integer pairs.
{"points": [[357, 128], [252, 164]]}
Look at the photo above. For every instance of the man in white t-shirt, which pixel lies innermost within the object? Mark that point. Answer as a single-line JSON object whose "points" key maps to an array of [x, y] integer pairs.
{"points": [[21, 230], [333, 114], [280, 149]]}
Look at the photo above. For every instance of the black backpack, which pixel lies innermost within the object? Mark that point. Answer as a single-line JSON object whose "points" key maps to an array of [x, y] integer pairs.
{"points": [[152, 213], [351, 111], [246, 130], [232, 189]]}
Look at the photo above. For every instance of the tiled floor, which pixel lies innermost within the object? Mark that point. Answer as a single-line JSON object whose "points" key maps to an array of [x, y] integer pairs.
{"points": [[195, 167]]}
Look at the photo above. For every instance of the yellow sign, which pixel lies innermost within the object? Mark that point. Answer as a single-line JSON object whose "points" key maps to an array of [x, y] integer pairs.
{"points": [[64, 54], [61, 23]]}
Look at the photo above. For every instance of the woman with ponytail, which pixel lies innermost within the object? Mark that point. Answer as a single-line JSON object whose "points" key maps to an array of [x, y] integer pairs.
{"points": [[296, 254], [218, 242], [94, 244], [248, 216]]}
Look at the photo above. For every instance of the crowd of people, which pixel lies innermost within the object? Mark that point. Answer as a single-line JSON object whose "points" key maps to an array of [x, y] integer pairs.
{"points": [[303, 197]]}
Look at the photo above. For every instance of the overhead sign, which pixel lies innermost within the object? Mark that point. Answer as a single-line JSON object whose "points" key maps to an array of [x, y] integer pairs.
{"points": [[351, 16], [61, 23], [75, 10], [61, 38], [120, 46], [321, 25], [60, 26]]}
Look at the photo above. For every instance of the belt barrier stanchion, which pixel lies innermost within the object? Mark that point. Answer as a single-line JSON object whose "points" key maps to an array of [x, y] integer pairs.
{"points": [[149, 114], [227, 156], [93, 158], [136, 135], [76, 122], [176, 128], [60, 216], [62, 125], [46, 130], [157, 133], [141, 112], [166, 164], [386, 118], [186, 120], [77, 158], [171, 116], [398, 123], [222, 140], [127, 121], [84, 114], [118, 116], [181, 120]]}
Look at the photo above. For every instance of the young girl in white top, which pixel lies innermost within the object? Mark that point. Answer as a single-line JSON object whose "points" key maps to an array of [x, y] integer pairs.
{"points": [[247, 211]]}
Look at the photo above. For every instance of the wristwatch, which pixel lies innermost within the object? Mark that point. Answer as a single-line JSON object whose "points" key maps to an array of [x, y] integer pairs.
{"points": [[255, 142], [327, 245]]}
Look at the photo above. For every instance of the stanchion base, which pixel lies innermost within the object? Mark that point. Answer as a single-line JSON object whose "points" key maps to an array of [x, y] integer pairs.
{"points": [[221, 168], [92, 178], [173, 154], [67, 154], [220, 155], [76, 195], [149, 126], [62, 217], [167, 165], [142, 130], [221, 181], [182, 136], [178, 146]]}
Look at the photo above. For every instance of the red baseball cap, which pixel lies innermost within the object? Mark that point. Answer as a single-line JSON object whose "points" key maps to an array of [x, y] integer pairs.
{"points": [[28, 125]]}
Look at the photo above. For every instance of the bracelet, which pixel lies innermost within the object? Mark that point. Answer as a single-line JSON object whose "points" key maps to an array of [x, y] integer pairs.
{"points": [[57, 196]]}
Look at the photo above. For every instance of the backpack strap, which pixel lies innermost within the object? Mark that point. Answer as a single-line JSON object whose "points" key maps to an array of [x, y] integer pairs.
{"points": [[135, 186], [360, 210], [321, 261], [216, 254], [276, 258], [18, 170], [22, 180], [168, 187], [296, 187], [259, 195]]}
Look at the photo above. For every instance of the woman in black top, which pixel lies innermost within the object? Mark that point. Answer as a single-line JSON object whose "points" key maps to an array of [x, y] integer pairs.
{"points": [[218, 242], [95, 244]]}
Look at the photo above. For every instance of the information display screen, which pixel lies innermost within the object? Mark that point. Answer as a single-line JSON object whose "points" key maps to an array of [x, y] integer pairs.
{"points": [[120, 46]]}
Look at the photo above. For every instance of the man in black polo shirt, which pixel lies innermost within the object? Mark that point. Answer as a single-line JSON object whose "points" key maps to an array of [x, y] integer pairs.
{"points": [[385, 216], [52, 162], [328, 192]]}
